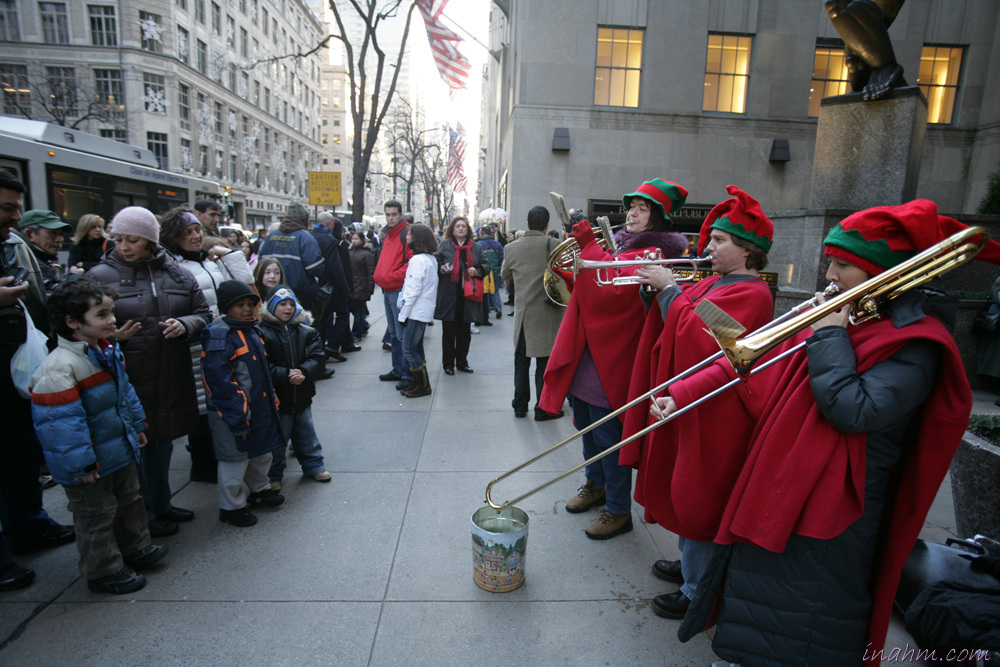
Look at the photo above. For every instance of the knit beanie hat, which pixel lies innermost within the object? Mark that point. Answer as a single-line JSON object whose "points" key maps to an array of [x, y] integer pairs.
{"points": [[740, 217], [280, 293], [296, 211], [665, 195], [136, 221], [878, 239], [230, 291]]}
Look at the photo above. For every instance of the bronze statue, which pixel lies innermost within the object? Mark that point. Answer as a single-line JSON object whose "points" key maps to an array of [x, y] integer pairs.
{"points": [[864, 26]]}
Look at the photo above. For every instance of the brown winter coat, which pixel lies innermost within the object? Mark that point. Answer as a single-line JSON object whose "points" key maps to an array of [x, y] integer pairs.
{"points": [[151, 292], [524, 262]]}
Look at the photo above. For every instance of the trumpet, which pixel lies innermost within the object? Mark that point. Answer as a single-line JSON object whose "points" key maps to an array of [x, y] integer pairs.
{"points": [[866, 301], [604, 268]]}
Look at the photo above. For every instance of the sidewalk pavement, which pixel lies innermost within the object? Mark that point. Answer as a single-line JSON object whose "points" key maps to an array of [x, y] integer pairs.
{"points": [[375, 568]]}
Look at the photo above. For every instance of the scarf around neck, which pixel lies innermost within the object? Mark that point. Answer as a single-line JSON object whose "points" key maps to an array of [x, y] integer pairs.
{"points": [[456, 268]]}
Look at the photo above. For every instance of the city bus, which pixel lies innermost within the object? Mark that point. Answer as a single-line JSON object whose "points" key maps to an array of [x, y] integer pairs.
{"points": [[73, 173]]}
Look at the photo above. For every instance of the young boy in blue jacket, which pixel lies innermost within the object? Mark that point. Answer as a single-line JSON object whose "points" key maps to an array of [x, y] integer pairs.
{"points": [[242, 405], [90, 423]]}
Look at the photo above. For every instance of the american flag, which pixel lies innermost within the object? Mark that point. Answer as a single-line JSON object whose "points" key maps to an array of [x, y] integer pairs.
{"points": [[452, 65], [456, 159]]}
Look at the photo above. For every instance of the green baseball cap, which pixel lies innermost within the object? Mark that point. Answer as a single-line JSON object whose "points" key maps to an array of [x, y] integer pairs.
{"points": [[46, 219]]}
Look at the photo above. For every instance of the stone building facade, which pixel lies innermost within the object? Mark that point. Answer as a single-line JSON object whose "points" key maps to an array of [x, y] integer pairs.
{"points": [[212, 87]]}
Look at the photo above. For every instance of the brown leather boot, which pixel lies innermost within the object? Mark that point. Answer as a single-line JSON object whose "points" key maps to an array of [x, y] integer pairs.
{"points": [[587, 498], [609, 525], [421, 385]]}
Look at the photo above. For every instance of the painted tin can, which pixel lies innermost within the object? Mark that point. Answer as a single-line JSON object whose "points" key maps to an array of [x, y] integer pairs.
{"points": [[499, 545]]}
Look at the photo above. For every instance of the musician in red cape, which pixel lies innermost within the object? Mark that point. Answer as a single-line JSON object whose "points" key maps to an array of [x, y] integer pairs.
{"points": [[595, 347], [696, 446], [853, 440]]}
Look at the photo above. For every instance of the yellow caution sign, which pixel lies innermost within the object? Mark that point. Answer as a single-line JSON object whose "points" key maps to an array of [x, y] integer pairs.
{"points": [[324, 188]]}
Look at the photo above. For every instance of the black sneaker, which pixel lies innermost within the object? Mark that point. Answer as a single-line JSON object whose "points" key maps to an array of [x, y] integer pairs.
{"points": [[389, 377], [125, 580], [267, 498], [14, 576], [146, 556], [240, 518]]}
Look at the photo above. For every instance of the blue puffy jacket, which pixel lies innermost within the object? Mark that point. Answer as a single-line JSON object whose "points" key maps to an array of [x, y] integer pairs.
{"points": [[86, 412], [299, 255]]}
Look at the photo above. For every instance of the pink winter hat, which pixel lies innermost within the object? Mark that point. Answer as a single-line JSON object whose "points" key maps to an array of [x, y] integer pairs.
{"points": [[136, 221]]}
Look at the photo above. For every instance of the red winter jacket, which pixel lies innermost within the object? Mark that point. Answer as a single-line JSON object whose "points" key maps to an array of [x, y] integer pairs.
{"points": [[391, 268]]}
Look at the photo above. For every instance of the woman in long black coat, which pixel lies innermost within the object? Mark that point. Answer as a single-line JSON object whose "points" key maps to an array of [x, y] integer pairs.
{"points": [[160, 309], [459, 258]]}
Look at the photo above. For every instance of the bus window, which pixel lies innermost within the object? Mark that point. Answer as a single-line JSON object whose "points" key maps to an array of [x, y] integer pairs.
{"points": [[72, 204]]}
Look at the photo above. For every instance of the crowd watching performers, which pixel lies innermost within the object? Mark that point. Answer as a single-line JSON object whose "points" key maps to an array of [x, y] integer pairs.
{"points": [[44, 230], [738, 236], [459, 257], [183, 236], [595, 349], [852, 441], [160, 310], [89, 243]]}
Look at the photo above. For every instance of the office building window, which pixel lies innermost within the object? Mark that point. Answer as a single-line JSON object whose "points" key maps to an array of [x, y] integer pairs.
{"points": [[244, 43], [203, 160], [218, 164], [55, 24], [152, 32], [263, 25], [187, 159], [103, 25], [16, 93], [9, 29], [829, 76], [217, 116], [727, 72], [216, 19], [201, 57], [110, 90], [183, 44], [232, 167], [230, 32], [114, 133], [154, 96], [157, 142], [940, 72], [619, 67], [184, 105], [61, 82], [181, 4], [199, 11]]}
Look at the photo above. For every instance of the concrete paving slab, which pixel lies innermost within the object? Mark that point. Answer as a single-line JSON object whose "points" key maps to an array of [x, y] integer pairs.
{"points": [[13, 614], [434, 561], [370, 441], [197, 633], [604, 632]]}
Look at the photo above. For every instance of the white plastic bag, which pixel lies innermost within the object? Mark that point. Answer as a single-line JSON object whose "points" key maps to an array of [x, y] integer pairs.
{"points": [[28, 357]]}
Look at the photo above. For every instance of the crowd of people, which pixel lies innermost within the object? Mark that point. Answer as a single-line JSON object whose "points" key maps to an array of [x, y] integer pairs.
{"points": [[800, 493]]}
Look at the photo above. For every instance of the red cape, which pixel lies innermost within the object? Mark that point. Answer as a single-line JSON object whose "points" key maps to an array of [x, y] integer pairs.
{"points": [[803, 476], [608, 320], [698, 445]]}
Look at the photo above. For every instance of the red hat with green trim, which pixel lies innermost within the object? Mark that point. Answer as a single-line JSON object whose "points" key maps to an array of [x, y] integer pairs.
{"points": [[665, 195], [878, 239], [740, 217]]}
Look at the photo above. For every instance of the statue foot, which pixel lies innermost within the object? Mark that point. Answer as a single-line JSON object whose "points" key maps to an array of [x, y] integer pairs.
{"points": [[882, 80]]}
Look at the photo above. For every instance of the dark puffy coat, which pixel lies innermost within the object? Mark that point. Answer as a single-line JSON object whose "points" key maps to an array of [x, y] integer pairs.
{"points": [[449, 293], [334, 273], [151, 292], [363, 272], [296, 345], [241, 397], [89, 252], [811, 604]]}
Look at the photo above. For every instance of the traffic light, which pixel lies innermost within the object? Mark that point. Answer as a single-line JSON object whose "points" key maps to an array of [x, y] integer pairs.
{"points": [[368, 185]]}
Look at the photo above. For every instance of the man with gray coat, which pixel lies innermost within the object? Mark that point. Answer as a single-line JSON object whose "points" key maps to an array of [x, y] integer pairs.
{"points": [[536, 323]]}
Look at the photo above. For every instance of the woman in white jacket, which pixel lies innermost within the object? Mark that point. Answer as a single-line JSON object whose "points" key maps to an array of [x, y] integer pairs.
{"points": [[211, 262], [416, 305]]}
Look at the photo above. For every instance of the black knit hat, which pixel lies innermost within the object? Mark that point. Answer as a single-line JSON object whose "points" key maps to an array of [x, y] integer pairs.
{"points": [[231, 291]]}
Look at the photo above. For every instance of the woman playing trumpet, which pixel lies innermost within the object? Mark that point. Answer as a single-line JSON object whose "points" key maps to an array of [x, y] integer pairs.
{"points": [[595, 347], [851, 446]]}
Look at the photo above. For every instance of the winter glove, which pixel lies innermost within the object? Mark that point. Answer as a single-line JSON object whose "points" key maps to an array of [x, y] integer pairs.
{"points": [[583, 234]]}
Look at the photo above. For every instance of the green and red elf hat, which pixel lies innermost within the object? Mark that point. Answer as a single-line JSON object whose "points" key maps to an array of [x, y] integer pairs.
{"points": [[666, 196], [879, 238], [740, 217]]}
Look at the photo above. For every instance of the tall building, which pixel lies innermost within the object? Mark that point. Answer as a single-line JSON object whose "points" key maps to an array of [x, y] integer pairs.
{"points": [[217, 88], [592, 99]]}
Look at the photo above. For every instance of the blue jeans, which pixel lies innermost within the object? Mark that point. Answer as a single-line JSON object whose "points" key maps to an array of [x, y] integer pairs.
{"points": [[413, 343], [308, 451], [494, 302], [391, 300], [357, 309], [616, 480], [694, 563]]}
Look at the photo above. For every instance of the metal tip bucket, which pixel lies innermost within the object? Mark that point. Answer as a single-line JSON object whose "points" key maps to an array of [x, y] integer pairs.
{"points": [[499, 544]]}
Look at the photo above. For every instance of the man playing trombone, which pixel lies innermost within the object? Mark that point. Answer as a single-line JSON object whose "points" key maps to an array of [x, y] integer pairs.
{"points": [[852, 442], [738, 236]]}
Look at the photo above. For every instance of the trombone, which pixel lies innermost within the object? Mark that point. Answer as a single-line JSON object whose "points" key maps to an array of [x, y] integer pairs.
{"points": [[604, 268], [866, 301]]}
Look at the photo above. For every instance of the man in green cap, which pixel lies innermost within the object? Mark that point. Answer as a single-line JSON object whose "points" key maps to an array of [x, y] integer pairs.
{"points": [[44, 230]]}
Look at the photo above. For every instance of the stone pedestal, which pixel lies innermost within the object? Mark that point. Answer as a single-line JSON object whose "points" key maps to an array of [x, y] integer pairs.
{"points": [[976, 496], [868, 153]]}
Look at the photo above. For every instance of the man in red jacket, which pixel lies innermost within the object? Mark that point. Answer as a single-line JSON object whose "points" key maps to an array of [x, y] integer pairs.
{"points": [[389, 274], [738, 236]]}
